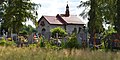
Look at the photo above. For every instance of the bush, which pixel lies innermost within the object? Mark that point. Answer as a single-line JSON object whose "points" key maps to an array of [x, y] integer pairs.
{"points": [[61, 32], [4, 42], [24, 32], [72, 42], [32, 45], [10, 43]]}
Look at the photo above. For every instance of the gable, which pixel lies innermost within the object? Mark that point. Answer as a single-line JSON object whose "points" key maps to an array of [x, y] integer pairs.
{"points": [[52, 20], [43, 22]]}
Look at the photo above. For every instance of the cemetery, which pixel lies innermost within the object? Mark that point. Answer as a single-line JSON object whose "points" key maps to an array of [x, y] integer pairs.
{"points": [[62, 31], [59, 30]]}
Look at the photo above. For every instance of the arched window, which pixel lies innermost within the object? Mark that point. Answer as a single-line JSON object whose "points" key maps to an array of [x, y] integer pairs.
{"points": [[43, 29], [79, 29], [75, 30], [42, 23]]}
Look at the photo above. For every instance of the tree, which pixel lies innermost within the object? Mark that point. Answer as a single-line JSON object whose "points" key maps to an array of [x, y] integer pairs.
{"points": [[1, 12], [72, 42], [86, 4], [95, 22], [107, 9], [95, 18], [61, 32], [101, 12], [1, 9], [1, 1], [27, 29], [117, 21], [18, 11]]}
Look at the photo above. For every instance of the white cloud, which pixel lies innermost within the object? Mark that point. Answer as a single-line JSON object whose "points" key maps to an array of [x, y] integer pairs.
{"points": [[53, 7]]}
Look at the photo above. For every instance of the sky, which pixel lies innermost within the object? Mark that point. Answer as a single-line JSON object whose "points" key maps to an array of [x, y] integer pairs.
{"points": [[54, 7]]}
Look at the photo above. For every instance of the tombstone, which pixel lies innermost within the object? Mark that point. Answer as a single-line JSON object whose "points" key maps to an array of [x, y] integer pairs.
{"points": [[30, 38], [6, 34], [79, 39], [57, 35], [14, 37], [82, 38], [65, 39], [47, 35], [3, 32]]}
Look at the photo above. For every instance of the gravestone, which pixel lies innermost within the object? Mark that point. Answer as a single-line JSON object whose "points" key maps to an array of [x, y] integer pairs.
{"points": [[30, 38], [79, 39], [47, 35], [14, 37]]}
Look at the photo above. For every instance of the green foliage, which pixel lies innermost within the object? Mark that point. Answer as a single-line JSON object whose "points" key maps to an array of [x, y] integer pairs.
{"points": [[4, 42], [86, 4], [72, 42], [95, 23], [107, 37], [109, 31], [18, 11], [32, 45], [24, 32], [100, 11], [63, 44], [1, 1], [27, 29], [10, 43], [1, 8], [104, 10], [61, 32], [103, 46], [48, 45], [51, 45], [41, 44], [117, 20]]}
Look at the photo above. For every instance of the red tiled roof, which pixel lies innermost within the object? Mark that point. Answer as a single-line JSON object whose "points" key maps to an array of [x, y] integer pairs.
{"points": [[73, 20], [60, 20], [52, 20]]}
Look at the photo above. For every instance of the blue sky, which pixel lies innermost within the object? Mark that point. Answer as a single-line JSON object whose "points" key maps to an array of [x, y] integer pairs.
{"points": [[53, 7]]}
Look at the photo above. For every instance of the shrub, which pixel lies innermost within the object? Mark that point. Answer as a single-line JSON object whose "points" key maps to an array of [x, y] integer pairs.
{"points": [[24, 32], [72, 42], [10, 43], [32, 45], [2, 42], [51, 45], [59, 30]]}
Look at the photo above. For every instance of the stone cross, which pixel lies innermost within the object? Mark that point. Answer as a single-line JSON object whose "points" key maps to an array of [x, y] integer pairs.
{"points": [[3, 31]]}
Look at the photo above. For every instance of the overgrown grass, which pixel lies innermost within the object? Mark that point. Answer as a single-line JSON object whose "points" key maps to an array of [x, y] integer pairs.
{"points": [[13, 53]]}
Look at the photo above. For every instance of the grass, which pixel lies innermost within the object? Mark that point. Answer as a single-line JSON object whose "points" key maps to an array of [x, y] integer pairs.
{"points": [[13, 53]]}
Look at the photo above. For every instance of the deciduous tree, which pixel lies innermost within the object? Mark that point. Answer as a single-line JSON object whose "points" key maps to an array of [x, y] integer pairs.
{"points": [[117, 21], [17, 12]]}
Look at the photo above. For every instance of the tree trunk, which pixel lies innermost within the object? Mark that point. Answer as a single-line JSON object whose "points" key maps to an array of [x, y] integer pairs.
{"points": [[91, 21]]}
